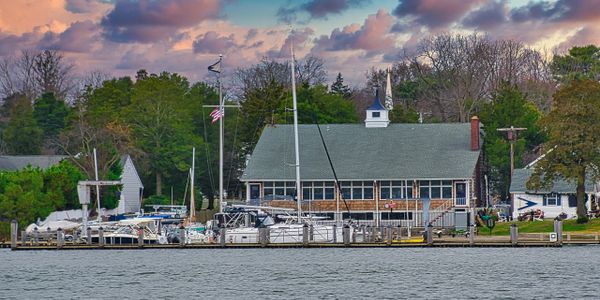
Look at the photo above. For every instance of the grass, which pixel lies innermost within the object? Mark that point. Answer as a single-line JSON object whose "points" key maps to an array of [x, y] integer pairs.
{"points": [[545, 226]]}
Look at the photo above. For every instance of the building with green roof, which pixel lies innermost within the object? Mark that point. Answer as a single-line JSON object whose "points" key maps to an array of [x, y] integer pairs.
{"points": [[384, 170]]}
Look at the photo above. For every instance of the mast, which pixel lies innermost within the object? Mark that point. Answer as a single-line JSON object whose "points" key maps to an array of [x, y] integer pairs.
{"points": [[192, 194], [296, 147], [221, 139]]}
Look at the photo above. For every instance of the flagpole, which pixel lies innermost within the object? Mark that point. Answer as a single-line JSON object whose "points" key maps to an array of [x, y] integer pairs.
{"points": [[221, 136]]}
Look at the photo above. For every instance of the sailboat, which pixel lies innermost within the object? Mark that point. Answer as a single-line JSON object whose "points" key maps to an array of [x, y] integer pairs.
{"points": [[290, 230]]}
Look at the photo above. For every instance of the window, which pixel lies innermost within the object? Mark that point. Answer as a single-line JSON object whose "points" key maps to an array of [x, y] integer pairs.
{"points": [[358, 216], [318, 190], [279, 190], [435, 189], [552, 199], [396, 189], [376, 114], [357, 190]]}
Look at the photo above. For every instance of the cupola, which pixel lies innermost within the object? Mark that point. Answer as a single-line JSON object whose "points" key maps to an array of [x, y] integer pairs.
{"points": [[377, 114]]}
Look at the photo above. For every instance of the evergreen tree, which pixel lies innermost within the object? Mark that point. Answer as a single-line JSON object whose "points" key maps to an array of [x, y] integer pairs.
{"points": [[51, 114], [339, 88], [22, 135], [579, 63], [400, 114]]}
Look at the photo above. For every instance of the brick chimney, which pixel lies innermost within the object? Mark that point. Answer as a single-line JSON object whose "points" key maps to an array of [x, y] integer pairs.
{"points": [[474, 133]]}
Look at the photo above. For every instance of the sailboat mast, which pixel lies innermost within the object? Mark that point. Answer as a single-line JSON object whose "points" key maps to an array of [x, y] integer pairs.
{"points": [[192, 194], [296, 147], [222, 108]]}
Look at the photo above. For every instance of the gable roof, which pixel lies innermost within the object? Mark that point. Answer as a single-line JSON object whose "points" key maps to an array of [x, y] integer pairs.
{"points": [[399, 151], [18, 162], [518, 184]]}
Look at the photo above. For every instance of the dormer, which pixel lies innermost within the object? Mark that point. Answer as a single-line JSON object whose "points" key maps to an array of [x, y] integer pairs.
{"points": [[377, 114]]}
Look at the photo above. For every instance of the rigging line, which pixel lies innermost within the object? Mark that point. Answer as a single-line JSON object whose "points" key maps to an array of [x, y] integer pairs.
{"points": [[207, 150], [337, 182], [231, 160], [187, 183]]}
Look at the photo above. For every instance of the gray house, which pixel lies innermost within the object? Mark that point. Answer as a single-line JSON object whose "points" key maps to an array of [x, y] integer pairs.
{"points": [[386, 171]]}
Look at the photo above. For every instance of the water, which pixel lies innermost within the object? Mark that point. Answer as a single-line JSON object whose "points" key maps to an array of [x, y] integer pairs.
{"points": [[440, 273]]}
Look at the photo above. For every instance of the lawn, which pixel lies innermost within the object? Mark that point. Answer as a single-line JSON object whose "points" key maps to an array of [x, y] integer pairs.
{"points": [[545, 226]]}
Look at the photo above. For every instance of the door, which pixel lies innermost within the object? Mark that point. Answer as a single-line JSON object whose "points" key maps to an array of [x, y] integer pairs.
{"points": [[460, 189], [255, 194]]}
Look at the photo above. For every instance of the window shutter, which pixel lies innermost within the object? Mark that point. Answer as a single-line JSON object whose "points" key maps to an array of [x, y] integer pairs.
{"points": [[558, 199], [545, 200]]}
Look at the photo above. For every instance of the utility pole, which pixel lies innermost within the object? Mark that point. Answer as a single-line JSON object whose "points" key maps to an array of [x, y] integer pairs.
{"points": [[512, 133]]}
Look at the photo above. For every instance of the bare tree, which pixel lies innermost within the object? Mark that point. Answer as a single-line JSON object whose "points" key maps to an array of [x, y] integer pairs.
{"points": [[311, 71]]}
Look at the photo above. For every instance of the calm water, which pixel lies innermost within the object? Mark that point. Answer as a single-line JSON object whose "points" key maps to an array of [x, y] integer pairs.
{"points": [[569, 272]]}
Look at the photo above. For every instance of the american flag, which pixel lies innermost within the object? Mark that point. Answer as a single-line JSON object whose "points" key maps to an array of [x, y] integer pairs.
{"points": [[217, 113]]}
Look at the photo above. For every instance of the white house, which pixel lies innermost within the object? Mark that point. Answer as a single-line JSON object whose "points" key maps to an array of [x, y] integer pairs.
{"points": [[558, 199], [132, 188]]}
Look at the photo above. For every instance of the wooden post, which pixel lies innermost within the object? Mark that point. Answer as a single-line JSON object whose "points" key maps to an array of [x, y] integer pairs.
{"points": [[346, 235], [398, 233], [389, 235], [472, 235], [311, 233], [305, 234], [429, 234], [48, 236], [88, 237], [514, 234], [353, 234], [141, 237], [263, 237], [222, 236], [36, 236], [181, 236], [60, 238], [14, 232], [101, 237], [23, 237], [558, 228], [334, 233]]}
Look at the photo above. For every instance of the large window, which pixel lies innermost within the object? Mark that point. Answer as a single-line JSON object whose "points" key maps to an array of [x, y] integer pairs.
{"points": [[396, 215], [400, 189], [318, 190], [279, 190], [435, 189], [358, 216], [357, 190]]}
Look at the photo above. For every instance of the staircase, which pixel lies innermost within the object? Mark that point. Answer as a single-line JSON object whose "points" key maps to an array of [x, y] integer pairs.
{"points": [[440, 217]]}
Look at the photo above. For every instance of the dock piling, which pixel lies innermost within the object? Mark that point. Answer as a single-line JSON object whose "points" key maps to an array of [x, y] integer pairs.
{"points": [[558, 228], [305, 234], [263, 236], [346, 235], [311, 233], [14, 231], [60, 238], [514, 234], [222, 236], [36, 235], [472, 235], [429, 234], [88, 236], [398, 233], [23, 237], [389, 235], [181, 236], [101, 237], [334, 233], [141, 237]]}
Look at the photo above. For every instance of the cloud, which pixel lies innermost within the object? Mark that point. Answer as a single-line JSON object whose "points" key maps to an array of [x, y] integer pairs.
{"points": [[79, 37], [488, 16], [434, 13], [147, 21], [556, 11], [211, 42], [318, 9], [84, 6], [373, 36]]}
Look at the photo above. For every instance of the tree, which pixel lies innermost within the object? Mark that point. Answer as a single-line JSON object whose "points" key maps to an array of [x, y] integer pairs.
{"points": [[573, 141], [509, 107], [400, 114], [579, 63], [339, 88], [22, 135], [51, 114]]}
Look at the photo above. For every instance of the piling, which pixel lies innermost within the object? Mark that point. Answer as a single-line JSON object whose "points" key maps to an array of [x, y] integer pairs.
{"points": [[398, 233], [60, 238], [23, 237], [514, 234], [472, 235], [389, 235], [263, 237], [334, 233], [88, 236], [305, 234], [353, 234], [346, 235], [222, 236], [14, 231], [48, 235], [311, 233], [36, 236], [429, 235], [558, 228], [141, 237], [181, 236], [101, 237], [367, 233]]}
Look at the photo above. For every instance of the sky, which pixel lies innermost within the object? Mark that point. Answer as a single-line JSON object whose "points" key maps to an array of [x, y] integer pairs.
{"points": [[119, 37]]}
